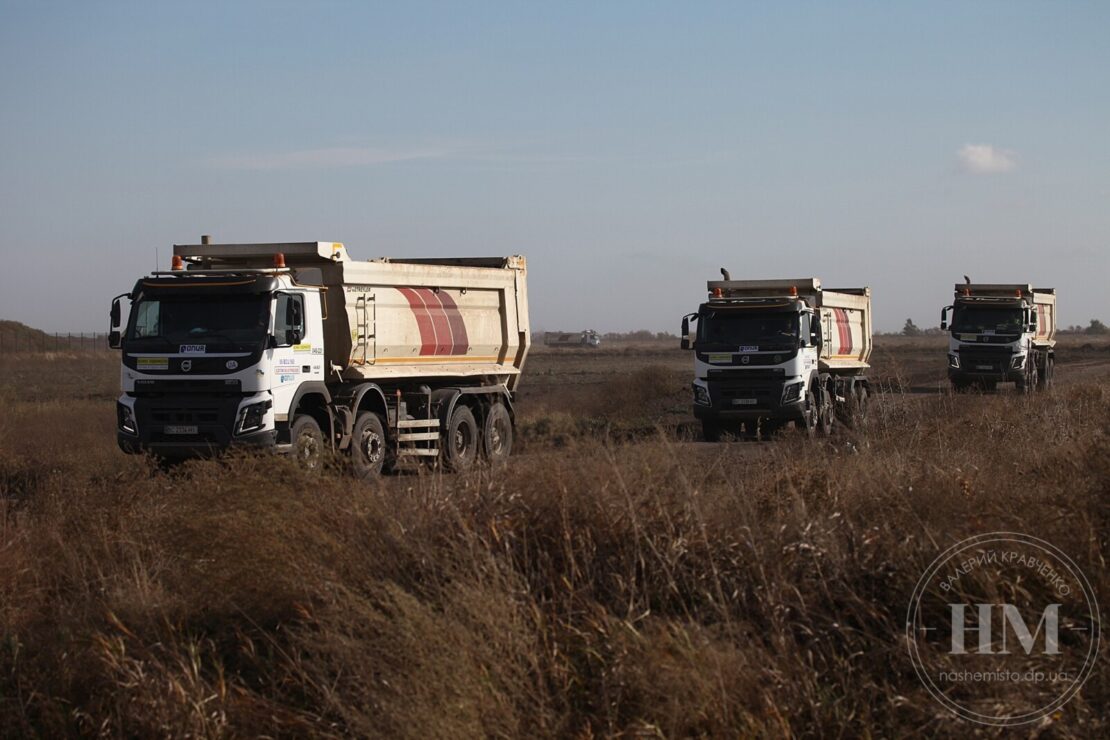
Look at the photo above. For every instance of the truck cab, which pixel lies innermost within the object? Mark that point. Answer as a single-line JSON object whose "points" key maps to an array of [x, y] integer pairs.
{"points": [[1000, 333], [768, 352], [215, 360]]}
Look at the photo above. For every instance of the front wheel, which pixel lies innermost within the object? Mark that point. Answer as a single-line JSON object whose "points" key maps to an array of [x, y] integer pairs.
{"points": [[1046, 374], [368, 446], [497, 434], [808, 423], [460, 444], [308, 442], [710, 431]]}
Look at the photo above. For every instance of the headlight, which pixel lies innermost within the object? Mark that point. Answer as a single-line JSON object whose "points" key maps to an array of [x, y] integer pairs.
{"points": [[125, 418], [792, 392], [252, 417], [1018, 362], [701, 396], [953, 360]]}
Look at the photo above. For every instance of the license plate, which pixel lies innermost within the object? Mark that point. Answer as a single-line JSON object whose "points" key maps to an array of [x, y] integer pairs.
{"points": [[984, 367], [744, 401], [191, 429]]}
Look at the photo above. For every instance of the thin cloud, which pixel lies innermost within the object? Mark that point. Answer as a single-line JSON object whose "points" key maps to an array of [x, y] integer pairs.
{"points": [[984, 159], [329, 158]]}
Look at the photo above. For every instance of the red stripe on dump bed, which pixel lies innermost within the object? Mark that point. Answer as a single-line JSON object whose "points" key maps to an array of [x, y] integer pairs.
{"points": [[461, 342], [844, 329], [423, 321], [439, 320]]}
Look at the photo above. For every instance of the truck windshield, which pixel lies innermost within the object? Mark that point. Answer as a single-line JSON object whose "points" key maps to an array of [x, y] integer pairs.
{"points": [[768, 331], [978, 319], [215, 321]]}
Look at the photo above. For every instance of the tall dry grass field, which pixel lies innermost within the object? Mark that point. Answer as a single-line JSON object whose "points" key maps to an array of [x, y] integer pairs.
{"points": [[616, 579]]}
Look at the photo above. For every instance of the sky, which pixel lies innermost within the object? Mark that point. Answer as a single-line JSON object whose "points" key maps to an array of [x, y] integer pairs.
{"points": [[627, 149]]}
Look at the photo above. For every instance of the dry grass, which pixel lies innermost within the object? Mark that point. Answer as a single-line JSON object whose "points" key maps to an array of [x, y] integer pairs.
{"points": [[598, 587]]}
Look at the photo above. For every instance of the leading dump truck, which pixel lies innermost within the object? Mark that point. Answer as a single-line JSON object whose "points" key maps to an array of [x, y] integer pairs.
{"points": [[768, 352], [298, 348], [1001, 333]]}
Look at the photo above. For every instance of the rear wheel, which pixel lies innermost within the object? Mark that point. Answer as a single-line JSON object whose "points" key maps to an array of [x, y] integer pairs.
{"points": [[1029, 381], [308, 442], [497, 434], [368, 445], [460, 444]]}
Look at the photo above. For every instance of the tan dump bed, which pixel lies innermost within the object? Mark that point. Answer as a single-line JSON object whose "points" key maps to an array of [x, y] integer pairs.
{"points": [[845, 315], [403, 318], [1041, 299]]}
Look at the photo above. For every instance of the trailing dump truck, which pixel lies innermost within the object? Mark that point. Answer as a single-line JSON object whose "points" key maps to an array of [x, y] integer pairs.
{"points": [[768, 352], [1001, 333], [587, 338], [298, 348]]}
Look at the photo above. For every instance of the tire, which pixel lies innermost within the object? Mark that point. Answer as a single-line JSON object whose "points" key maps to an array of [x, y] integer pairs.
{"points": [[808, 423], [1045, 381], [710, 431], [497, 434], [460, 443], [1028, 384], [826, 413], [369, 446], [308, 442]]}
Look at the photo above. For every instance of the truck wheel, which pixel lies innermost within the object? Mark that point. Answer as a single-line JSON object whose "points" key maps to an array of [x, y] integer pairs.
{"points": [[497, 434], [308, 442], [1046, 375], [368, 446], [808, 422], [826, 413], [710, 431], [1028, 383], [460, 444]]}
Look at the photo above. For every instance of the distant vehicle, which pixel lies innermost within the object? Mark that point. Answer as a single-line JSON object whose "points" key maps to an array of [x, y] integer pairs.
{"points": [[298, 348], [587, 338], [767, 352], [1001, 333]]}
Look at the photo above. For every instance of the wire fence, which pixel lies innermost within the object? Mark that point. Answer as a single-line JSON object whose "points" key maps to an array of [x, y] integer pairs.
{"points": [[57, 342]]}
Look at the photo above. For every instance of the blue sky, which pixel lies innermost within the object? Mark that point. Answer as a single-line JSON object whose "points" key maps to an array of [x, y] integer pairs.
{"points": [[628, 149]]}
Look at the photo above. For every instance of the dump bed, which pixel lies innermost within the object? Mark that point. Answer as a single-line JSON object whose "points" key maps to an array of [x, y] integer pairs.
{"points": [[1043, 300], [845, 314], [393, 318]]}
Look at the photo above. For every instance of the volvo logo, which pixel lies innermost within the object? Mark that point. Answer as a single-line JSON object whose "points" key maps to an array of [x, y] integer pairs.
{"points": [[745, 360], [186, 365]]}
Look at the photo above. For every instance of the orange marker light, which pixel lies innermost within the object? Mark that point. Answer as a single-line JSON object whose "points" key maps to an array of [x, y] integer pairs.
{"points": [[717, 293], [967, 291], [1017, 292], [279, 261], [794, 290], [177, 263]]}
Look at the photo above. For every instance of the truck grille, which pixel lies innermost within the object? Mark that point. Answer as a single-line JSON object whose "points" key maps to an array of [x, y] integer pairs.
{"points": [[985, 359]]}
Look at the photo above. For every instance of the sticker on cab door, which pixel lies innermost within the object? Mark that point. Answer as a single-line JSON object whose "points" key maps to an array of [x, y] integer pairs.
{"points": [[306, 347], [152, 363], [192, 349]]}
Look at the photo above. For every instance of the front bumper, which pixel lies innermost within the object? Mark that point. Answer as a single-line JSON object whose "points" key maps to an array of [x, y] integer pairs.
{"points": [[743, 399], [208, 420], [986, 365]]}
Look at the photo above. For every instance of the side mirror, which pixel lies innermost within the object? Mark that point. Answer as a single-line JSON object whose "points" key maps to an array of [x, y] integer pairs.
{"points": [[114, 313], [293, 336], [684, 343], [944, 317], [114, 339]]}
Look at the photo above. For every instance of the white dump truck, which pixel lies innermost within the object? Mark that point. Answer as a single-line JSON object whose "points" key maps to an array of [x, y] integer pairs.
{"points": [[299, 348], [767, 352], [1001, 333], [587, 338]]}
